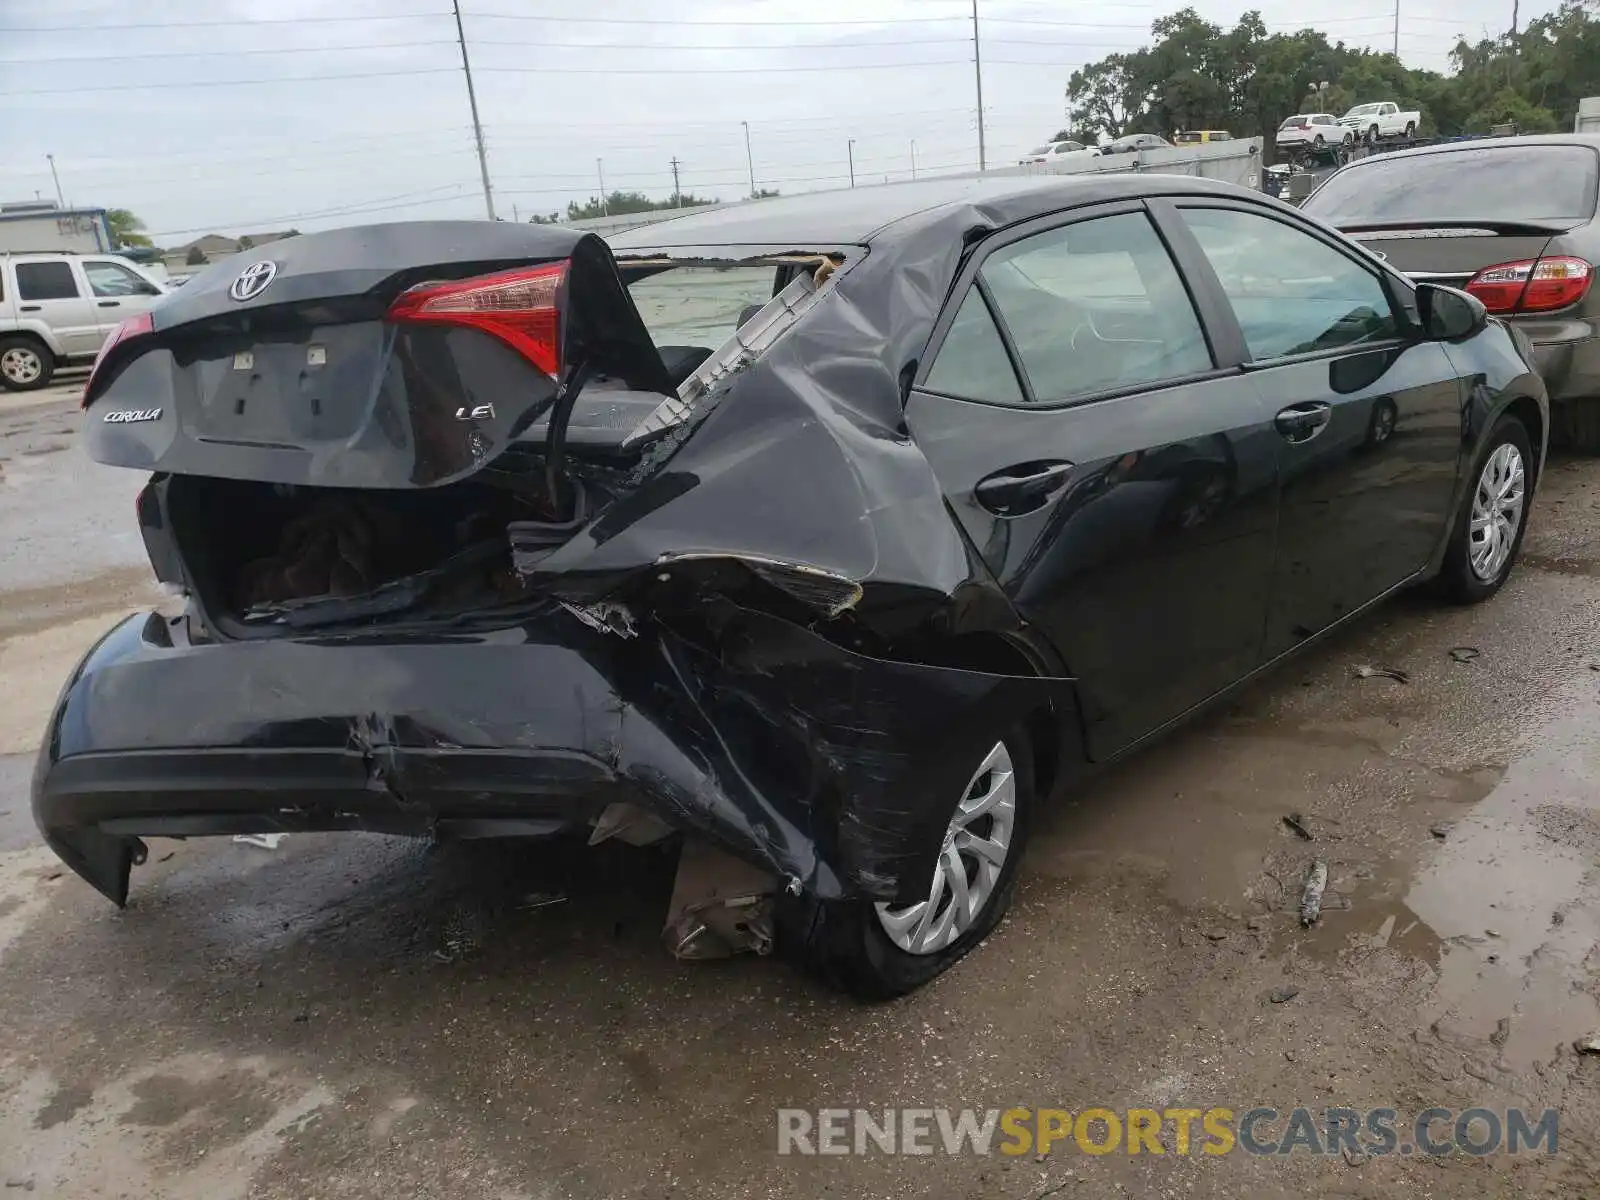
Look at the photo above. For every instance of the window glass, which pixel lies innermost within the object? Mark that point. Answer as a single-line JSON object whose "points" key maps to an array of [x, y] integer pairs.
{"points": [[699, 306], [1292, 293], [1096, 305], [1508, 180], [114, 279], [972, 362], [46, 281]]}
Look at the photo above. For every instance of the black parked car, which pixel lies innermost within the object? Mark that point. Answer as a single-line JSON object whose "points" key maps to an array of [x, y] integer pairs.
{"points": [[833, 533], [1516, 222]]}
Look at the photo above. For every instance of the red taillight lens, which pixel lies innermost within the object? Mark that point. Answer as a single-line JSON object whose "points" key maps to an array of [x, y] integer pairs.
{"points": [[1533, 285], [518, 307], [136, 326]]}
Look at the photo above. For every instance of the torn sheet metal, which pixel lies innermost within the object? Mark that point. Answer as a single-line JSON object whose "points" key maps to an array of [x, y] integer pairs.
{"points": [[720, 906]]}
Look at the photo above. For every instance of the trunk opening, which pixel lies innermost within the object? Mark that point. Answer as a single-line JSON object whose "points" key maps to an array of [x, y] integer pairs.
{"points": [[278, 560]]}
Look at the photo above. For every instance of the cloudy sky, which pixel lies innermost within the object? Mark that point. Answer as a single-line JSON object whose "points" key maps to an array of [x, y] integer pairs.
{"points": [[245, 115]]}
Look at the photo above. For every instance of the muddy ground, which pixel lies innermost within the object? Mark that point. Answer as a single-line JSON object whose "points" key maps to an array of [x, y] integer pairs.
{"points": [[366, 1017]]}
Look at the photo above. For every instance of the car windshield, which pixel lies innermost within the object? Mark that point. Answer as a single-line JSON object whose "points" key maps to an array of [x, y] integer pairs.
{"points": [[1362, 110], [1506, 182], [1040, 150]]}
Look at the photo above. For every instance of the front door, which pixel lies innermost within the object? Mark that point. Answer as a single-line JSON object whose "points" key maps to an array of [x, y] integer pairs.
{"points": [[1370, 416], [1117, 481], [119, 291], [49, 290]]}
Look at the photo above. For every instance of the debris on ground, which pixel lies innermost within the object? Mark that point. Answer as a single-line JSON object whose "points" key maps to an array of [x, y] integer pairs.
{"points": [[267, 841], [1354, 1157], [1380, 940], [1502, 1032], [535, 900], [1464, 654], [1442, 829], [1284, 994], [1363, 671], [1588, 1044], [1298, 823], [1311, 898]]}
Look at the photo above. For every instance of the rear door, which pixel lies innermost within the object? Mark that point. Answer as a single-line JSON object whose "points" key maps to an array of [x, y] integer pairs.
{"points": [[51, 290], [1114, 469], [1371, 418], [119, 291]]}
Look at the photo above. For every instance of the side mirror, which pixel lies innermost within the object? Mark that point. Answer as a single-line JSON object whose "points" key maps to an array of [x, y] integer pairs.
{"points": [[1449, 315]]}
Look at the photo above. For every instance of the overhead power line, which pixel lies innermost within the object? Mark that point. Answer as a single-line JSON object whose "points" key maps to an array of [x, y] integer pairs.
{"points": [[480, 16], [236, 23], [208, 83], [96, 58]]}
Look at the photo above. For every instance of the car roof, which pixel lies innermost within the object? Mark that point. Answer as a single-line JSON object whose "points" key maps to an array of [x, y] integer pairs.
{"points": [[1591, 140], [860, 216]]}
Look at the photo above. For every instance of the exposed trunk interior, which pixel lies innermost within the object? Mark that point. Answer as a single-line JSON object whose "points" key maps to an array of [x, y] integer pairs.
{"points": [[272, 558]]}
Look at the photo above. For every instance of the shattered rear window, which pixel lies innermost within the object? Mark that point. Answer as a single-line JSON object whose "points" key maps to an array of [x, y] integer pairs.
{"points": [[700, 305]]}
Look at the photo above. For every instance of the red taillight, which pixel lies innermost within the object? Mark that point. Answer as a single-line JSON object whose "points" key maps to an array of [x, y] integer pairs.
{"points": [[518, 307], [135, 326], [1533, 285]]}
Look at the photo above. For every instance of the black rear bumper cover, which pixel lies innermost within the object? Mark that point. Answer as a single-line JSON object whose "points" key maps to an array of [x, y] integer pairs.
{"points": [[828, 768]]}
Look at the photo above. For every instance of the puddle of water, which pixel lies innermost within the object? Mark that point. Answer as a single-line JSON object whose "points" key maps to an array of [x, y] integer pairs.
{"points": [[1508, 905]]}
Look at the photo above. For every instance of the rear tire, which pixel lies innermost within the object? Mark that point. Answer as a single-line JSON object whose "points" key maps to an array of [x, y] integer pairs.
{"points": [[1372, 135], [1474, 569], [1318, 142], [26, 364], [847, 943], [1575, 425], [1411, 130]]}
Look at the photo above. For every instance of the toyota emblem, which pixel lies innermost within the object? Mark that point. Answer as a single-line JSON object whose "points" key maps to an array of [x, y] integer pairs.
{"points": [[253, 280]]}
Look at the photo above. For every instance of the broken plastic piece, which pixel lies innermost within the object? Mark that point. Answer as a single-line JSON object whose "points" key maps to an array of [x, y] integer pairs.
{"points": [[535, 900], [1365, 672], [631, 824], [721, 906], [1311, 898], [267, 841], [1464, 654], [1297, 823]]}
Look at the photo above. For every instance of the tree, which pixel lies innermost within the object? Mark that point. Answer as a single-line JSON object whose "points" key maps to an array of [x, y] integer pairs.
{"points": [[125, 228], [621, 203], [247, 242], [196, 257]]}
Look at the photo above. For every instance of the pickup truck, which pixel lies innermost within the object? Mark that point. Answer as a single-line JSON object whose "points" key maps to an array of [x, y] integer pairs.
{"points": [[1384, 119]]}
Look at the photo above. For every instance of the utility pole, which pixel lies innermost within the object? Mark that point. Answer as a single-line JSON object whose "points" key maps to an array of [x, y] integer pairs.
{"points": [[977, 65], [60, 200], [850, 148], [1396, 28], [913, 158], [600, 170], [1514, 7], [748, 160], [472, 102], [677, 192]]}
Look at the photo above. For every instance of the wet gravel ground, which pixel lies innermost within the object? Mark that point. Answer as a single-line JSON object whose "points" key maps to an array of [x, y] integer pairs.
{"points": [[366, 1017]]}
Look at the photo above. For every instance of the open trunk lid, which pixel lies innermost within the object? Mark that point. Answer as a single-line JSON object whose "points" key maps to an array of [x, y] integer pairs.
{"points": [[407, 355]]}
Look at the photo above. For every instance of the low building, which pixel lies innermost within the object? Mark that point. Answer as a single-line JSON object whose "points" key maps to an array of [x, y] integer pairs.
{"points": [[37, 225], [215, 246]]}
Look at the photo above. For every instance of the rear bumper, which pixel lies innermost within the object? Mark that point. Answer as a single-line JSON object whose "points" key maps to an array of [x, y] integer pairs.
{"points": [[1566, 352], [818, 765]]}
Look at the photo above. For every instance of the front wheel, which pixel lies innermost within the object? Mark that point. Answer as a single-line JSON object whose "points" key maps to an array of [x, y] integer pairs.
{"points": [[24, 364], [879, 950], [1493, 517], [1372, 134]]}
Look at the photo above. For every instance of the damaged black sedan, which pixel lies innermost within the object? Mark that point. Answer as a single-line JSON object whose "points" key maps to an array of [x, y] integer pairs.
{"points": [[826, 535]]}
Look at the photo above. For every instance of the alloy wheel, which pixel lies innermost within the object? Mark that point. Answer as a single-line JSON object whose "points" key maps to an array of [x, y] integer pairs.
{"points": [[971, 860], [1497, 505], [21, 365]]}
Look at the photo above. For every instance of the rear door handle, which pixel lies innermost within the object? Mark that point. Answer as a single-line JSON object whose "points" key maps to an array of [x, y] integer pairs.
{"points": [[110, 303], [29, 308], [1012, 491], [1302, 422]]}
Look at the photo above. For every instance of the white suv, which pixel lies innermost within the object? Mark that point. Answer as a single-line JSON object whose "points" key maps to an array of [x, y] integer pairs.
{"points": [[56, 309], [1314, 130]]}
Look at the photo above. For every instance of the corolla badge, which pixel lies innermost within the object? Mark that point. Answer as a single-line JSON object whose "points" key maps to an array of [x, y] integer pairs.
{"points": [[127, 416], [253, 280]]}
